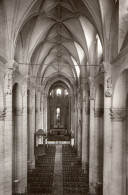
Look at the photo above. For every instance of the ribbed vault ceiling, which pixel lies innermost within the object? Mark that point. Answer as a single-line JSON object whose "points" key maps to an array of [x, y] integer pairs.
{"points": [[56, 37]]}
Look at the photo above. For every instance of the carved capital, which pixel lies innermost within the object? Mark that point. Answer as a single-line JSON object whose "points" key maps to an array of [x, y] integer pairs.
{"points": [[98, 112], [105, 68], [24, 89], [85, 99], [118, 115], [26, 79], [78, 105], [72, 134], [38, 89], [91, 88], [87, 110], [37, 110], [92, 188], [90, 81], [29, 110], [108, 92], [18, 111], [83, 86], [11, 65], [2, 115]]}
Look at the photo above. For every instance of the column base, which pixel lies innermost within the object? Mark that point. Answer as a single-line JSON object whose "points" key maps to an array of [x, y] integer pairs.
{"points": [[85, 167], [96, 189], [31, 165]]}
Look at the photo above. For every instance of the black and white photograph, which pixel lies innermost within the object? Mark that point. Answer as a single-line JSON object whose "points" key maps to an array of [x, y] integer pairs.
{"points": [[63, 97]]}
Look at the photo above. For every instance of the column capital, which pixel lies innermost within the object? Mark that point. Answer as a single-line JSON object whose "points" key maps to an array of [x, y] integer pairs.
{"points": [[78, 105], [108, 92], [87, 110], [105, 68], [38, 89], [91, 84], [18, 111], [118, 114], [26, 79], [29, 110], [72, 134], [90, 81], [24, 87], [2, 115], [85, 99], [98, 112], [11, 65]]}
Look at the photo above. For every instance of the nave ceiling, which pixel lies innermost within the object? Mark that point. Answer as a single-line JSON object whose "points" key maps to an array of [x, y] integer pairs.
{"points": [[59, 38]]}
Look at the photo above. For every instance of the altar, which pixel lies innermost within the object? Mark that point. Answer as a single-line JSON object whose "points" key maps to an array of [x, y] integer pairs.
{"points": [[58, 131]]}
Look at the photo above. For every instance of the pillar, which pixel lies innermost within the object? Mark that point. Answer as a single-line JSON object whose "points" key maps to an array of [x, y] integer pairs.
{"points": [[45, 112], [42, 108], [2, 121], [85, 131], [24, 138], [10, 67], [106, 70], [32, 130], [98, 168], [38, 110], [76, 124], [118, 139], [18, 151], [72, 120], [79, 124], [91, 136]]}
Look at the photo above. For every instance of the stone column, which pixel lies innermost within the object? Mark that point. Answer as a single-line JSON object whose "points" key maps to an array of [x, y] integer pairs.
{"points": [[106, 70], [18, 150], [32, 130], [42, 108], [72, 112], [91, 136], [98, 145], [38, 110], [118, 129], [85, 131], [79, 129], [2, 121], [76, 124], [24, 138], [10, 67], [45, 112], [72, 120]]}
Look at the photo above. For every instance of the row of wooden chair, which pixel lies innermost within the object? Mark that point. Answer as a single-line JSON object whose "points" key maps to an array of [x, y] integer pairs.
{"points": [[75, 181], [40, 180]]}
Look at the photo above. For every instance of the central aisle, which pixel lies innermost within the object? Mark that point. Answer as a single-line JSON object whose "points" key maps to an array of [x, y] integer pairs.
{"points": [[58, 172]]}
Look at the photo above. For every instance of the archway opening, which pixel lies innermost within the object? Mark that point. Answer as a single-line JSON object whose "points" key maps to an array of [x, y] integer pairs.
{"points": [[59, 112]]}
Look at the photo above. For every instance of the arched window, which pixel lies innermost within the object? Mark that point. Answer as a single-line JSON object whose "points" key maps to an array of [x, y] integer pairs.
{"points": [[58, 92], [66, 92], [58, 113]]}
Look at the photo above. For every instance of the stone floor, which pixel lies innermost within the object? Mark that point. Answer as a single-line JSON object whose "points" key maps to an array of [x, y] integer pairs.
{"points": [[58, 172]]}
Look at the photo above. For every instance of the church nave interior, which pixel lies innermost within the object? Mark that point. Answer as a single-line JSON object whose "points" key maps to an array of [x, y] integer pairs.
{"points": [[64, 97]]}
